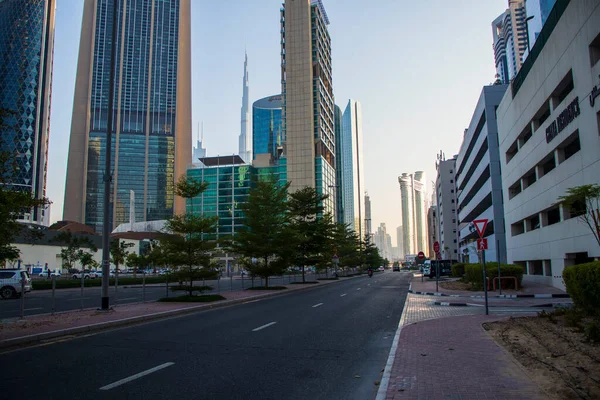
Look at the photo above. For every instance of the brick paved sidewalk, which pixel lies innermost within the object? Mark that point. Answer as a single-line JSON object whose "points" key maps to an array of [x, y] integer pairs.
{"points": [[454, 358]]}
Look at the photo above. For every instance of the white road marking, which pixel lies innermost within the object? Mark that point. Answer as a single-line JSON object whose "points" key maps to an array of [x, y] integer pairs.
{"points": [[263, 327], [368, 284], [317, 305], [358, 289], [136, 376], [343, 295]]}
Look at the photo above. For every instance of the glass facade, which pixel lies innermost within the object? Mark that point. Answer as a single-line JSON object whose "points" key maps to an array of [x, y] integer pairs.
{"points": [[144, 110], [26, 47], [267, 127], [352, 166], [339, 171]]}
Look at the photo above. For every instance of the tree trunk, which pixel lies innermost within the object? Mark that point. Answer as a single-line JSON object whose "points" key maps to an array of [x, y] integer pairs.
{"points": [[303, 276], [191, 282]]}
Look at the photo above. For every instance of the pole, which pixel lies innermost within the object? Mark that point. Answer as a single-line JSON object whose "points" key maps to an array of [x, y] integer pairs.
{"points": [[107, 166], [22, 296], [487, 312], [144, 287], [437, 274], [53, 293], [82, 275], [116, 286], [498, 259]]}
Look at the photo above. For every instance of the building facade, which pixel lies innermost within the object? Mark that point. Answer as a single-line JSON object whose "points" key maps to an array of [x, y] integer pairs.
{"points": [[245, 139], [199, 151], [537, 13], [420, 211], [479, 181], [400, 242], [368, 222], [352, 167], [308, 101], [339, 170], [26, 56], [446, 208], [509, 33], [151, 136], [432, 229], [408, 213], [549, 127], [267, 139]]}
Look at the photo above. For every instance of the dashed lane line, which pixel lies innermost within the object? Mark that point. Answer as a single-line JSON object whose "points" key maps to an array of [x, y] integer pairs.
{"points": [[317, 305], [263, 326], [136, 376]]}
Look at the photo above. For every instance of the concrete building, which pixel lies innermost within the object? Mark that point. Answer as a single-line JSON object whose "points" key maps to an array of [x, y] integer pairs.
{"points": [[352, 167], [26, 54], [420, 211], [400, 242], [446, 208], [432, 229], [408, 216], [479, 181], [549, 126], [509, 33], [383, 241], [152, 133], [267, 139], [308, 101], [199, 151], [413, 194], [245, 139], [339, 170], [368, 225]]}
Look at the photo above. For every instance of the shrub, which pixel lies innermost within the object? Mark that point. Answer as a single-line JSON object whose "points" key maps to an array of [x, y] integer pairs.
{"points": [[458, 270], [474, 273], [583, 285]]}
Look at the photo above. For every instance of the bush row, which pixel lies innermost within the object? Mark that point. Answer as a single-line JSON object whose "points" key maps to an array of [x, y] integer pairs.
{"points": [[75, 283], [583, 285], [473, 273]]}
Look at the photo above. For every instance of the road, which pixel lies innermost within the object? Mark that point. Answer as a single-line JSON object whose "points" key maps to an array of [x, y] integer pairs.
{"points": [[331, 342], [40, 301]]}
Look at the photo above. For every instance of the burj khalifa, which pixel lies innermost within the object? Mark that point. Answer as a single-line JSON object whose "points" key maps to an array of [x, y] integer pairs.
{"points": [[245, 149]]}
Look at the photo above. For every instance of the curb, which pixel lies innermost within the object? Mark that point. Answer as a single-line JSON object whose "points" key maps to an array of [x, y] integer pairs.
{"points": [[445, 303], [498, 296], [8, 344]]}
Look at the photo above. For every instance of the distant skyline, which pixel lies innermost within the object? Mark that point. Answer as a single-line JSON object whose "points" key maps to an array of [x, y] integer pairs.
{"points": [[418, 85]]}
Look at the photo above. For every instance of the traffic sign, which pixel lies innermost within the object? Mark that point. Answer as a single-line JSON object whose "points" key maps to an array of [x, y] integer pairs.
{"points": [[482, 244], [436, 247], [421, 255], [480, 225]]}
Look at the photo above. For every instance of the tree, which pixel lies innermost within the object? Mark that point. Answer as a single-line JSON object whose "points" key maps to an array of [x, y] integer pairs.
{"points": [[266, 236], [346, 246], [310, 227], [71, 245], [118, 252], [13, 202], [371, 253], [584, 202], [184, 239]]}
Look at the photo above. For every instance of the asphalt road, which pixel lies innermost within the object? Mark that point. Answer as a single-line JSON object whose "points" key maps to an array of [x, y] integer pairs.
{"points": [[40, 301], [328, 343]]}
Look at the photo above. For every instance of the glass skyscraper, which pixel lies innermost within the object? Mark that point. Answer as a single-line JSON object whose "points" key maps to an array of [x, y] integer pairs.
{"points": [[353, 180], [339, 168], [26, 53], [267, 140], [151, 146]]}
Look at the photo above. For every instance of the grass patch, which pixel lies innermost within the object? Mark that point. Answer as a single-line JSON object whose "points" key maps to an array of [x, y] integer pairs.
{"points": [[267, 288], [207, 298], [304, 283]]}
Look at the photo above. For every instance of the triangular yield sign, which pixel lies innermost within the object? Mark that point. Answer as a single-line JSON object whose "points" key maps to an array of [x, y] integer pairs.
{"points": [[480, 225]]}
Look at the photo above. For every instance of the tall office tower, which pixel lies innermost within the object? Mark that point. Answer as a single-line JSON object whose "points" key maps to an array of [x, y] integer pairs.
{"points": [[199, 151], [408, 215], [245, 139], [267, 140], [26, 53], [446, 202], [339, 167], [537, 12], [368, 225], [308, 102], [152, 134], [400, 242], [420, 210], [352, 166], [509, 32], [432, 221]]}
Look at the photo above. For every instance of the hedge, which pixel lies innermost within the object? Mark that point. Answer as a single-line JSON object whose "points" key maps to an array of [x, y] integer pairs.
{"points": [[474, 274], [583, 285], [458, 270], [63, 283]]}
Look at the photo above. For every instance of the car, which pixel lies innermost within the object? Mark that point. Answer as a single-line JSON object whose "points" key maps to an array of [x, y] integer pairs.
{"points": [[426, 271], [396, 268], [52, 274], [11, 283], [77, 275], [98, 274], [381, 269]]}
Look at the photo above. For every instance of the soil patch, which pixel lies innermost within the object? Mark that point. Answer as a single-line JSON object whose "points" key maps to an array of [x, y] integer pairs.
{"points": [[556, 356], [456, 285]]}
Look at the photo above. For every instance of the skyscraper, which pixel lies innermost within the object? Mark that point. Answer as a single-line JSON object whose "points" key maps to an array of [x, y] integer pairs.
{"points": [[308, 102], [537, 13], [352, 166], [408, 216], [245, 148], [152, 130], [400, 242], [26, 54], [368, 225], [199, 151], [509, 32], [339, 170], [420, 210], [413, 195], [267, 140]]}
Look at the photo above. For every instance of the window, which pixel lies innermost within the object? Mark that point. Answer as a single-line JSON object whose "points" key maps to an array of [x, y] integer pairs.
{"points": [[514, 190], [452, 201], [576, 209], [536, 267], [549, 164], [595, 50], [512, 151], [452, 191], [529, 179], [572, 148], [517, 228], [451, 180], [562, 89], [553, 216], [533, 223]]}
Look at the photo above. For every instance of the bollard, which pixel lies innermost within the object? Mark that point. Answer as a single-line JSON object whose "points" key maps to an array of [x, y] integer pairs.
{"points": [[219, 284], [231, 282], [82, 274], [242, 280], [22, 296], [53, 292], [116, 286], [144, 287], [167, 284]]}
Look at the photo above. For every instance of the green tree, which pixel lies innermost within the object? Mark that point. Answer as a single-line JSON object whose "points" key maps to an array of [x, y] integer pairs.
{"points": [[371, 255], [13, 202], [584, 202], [118, 252], [86, 259], [312, 229], [266, 236], [346, 246], [188, 188], [71, 245]]}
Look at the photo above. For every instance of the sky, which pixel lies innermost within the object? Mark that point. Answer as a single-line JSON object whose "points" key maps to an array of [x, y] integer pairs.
{"points": [[417, 67]]}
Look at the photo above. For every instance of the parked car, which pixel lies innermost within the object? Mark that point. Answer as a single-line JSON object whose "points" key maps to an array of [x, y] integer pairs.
{"points": [[396, 268], [381, 268], [77, 275], [98, 274], [11, 284], [45, 274]]}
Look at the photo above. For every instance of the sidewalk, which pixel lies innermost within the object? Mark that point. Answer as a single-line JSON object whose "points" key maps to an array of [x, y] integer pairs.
{"points": [[39, 328], [444, 353]]}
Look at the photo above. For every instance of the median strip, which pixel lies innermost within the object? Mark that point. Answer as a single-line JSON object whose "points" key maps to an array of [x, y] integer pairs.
{"points": [[136, 376], [317, 305], [263, 327]]}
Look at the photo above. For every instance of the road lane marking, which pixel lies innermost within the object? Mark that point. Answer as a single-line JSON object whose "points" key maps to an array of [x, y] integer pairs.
{"points": [[368, 284], [317, 305], [343, 295], [358, 289], [136, 376], [263, 327]]}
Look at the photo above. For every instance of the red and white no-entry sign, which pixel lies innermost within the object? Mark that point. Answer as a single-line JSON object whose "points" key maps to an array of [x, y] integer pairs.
{"points": [[421, 255]]}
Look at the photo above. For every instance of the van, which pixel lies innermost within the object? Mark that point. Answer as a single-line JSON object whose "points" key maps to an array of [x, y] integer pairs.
{"points": [[11, 283]]}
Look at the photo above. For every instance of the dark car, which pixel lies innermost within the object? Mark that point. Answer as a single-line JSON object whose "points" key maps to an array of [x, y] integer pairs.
{"points": [[396, 268], [443, 266]]}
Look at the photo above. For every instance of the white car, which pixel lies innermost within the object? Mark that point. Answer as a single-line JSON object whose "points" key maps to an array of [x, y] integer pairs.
{"points": [[98, 274], [77, 275], [11, 283], [45, 274]]}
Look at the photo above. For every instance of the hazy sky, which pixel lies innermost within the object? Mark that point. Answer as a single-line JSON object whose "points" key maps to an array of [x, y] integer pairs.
{"points": [[417, 67]]}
